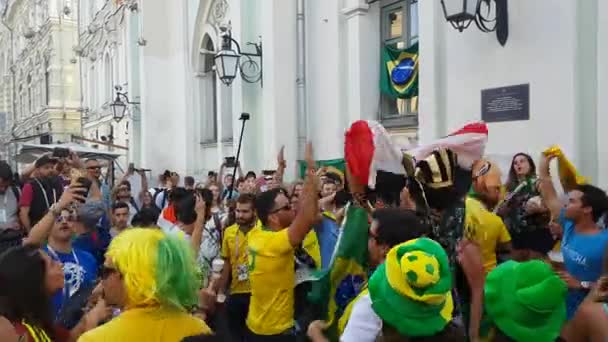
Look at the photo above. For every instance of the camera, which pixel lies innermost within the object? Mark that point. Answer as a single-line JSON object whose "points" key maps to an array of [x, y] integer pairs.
{"points": [[86, 184], [230, 161], [60, 152]]}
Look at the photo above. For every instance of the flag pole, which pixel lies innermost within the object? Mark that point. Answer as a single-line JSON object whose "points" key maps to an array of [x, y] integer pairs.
{"points": [[244, 117]]}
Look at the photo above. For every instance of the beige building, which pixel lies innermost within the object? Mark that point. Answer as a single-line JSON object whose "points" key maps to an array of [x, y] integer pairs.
{"points": [[40, 97]]}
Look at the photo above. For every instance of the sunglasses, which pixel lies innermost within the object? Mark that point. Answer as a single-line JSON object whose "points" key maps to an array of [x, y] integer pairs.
{"points": [[285, 207], [106, 271], [94, 168], [62, 218]]}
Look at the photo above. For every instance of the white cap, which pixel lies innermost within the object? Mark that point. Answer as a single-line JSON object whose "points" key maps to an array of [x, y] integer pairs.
{"points": [[217, 265], [221, 298]]}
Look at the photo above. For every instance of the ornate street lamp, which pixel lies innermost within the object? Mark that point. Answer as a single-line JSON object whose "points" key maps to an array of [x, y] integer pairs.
{"points": [[228, 61], [460, 13], [119, 105]]}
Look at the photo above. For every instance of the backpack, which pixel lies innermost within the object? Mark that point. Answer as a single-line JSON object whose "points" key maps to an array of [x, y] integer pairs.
{"points": [[134, 204], [158, 191], [17, 192]]}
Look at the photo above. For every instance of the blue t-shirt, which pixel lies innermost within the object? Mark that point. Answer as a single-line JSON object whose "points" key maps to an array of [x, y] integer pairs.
{"points": [[80, 271], [327, 234], [583, 255]]}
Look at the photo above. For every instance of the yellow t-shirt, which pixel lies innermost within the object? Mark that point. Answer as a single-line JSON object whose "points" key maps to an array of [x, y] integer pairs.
{"points": [[486, 228], [147, 325], [272, 278], [234, 249], [312, 247]]}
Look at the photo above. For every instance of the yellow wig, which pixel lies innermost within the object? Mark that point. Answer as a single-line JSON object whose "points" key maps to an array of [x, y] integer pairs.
{"points": [[157, 269]]}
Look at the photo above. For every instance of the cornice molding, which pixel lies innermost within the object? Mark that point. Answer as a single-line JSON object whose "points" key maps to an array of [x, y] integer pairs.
{"points": [[353, 11]]}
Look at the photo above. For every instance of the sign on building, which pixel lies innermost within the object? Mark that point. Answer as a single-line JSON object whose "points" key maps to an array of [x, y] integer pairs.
{"points": [[510, 103]]}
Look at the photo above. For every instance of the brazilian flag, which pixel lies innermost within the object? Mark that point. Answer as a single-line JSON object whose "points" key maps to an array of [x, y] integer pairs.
{"points": [[339, 164], [337, 286], [399, 72]]}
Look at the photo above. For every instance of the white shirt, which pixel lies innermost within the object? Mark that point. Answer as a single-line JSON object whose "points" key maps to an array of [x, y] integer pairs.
{"points": [[175, 230], [363, 324]]}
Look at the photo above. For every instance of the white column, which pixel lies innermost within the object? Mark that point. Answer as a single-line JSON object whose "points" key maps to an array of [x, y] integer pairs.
{"points": [[433, 72], [278, 115], [602, 101], [586, 88], [327, 87], [163, 74], [363, 58]]}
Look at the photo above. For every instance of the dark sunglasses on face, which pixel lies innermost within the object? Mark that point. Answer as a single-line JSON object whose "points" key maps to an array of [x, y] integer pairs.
{"points": [[94, 168], [106, 271], [66, 219], [285, 207]]}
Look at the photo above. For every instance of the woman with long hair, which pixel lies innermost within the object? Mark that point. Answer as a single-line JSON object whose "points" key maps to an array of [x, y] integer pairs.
{"points": [[28, 278], [523, 213], [217, 205]]}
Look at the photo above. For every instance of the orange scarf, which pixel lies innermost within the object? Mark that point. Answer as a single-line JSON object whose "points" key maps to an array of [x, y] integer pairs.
{"points": [[169, 214]]}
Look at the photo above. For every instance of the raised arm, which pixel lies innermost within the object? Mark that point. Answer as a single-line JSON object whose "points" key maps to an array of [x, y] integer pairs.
{"points": [[220, 177], [281, 166], [309, 209], [199, 224], [144, 184], [546, 188], [41, 230], [239, 170]]}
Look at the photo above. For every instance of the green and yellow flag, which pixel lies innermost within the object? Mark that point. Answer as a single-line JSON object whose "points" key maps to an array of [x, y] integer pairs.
{"points": [[337, 164], [568, 174], [347, 274], [399, 72]]}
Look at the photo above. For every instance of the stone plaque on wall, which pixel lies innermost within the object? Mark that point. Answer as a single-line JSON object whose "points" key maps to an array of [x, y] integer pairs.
{"points": [[510, 103]]}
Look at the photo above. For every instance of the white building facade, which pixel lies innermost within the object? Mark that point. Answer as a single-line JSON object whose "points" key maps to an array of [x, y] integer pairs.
{"points": [[320, 67], [320, 71], [556, 47], [109, 50], [39, 76]]}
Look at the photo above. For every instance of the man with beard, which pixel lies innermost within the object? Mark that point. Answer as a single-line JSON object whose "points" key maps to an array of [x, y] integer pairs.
{"points": [[272, 255], [236, 266], [40, 193]]}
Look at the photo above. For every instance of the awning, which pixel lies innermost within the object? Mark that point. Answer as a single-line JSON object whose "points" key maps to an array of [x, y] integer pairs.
{"points": [[30, 152]]}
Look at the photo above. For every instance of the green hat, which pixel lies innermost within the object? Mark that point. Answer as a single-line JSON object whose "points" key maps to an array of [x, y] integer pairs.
{"points": [[410, 291], [526, 301]]}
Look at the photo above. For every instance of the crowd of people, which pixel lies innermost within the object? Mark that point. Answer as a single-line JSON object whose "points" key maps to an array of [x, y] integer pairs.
{"points": [[453, 254]]}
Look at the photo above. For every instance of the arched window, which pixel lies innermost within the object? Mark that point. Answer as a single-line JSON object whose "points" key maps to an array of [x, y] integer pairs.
{"points": [[2, 84], [47, 82], [209, 92], [2, 68], [92, 88], [19, 105], [108, 79], [30, 100]]}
